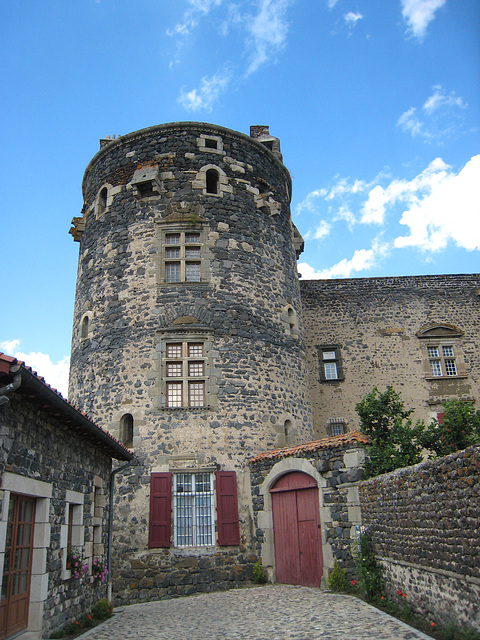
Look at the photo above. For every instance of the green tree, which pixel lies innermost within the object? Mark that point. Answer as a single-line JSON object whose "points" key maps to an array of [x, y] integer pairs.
{"points": [[395, 441], [460, 428]]}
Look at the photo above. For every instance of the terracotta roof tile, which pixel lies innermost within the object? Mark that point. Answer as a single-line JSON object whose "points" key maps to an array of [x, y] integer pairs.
{"points": [[352, 437]]}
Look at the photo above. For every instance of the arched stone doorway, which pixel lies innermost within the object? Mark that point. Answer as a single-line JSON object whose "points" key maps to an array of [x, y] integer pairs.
{"points": [[296, 530]]}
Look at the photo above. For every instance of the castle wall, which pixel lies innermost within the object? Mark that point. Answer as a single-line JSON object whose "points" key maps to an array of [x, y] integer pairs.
{"points": [[243, 309], [424, 523], [375, 324]]}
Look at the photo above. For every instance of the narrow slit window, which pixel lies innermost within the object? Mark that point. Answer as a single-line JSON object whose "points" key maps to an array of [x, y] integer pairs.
{"points": [[212, 181]]}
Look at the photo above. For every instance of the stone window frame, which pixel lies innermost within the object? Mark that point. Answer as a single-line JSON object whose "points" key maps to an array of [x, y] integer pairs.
{"points": [[185, 337], [126, 430], [104, 199], [165, 228], [337, 361], [98, 505], [200, 181], [86, 331], [204, 140], [72, 532], [440, 337]]}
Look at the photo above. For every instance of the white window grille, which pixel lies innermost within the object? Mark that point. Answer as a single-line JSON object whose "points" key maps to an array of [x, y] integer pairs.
{"points": [[194, 521]]}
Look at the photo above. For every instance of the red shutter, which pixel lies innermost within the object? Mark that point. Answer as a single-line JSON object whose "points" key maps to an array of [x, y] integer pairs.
{"points": [[440, 417], [160, 510], [227, 509]]}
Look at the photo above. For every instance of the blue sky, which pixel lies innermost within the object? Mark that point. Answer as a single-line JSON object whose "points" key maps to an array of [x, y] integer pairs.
{"points": [[376, 105]]}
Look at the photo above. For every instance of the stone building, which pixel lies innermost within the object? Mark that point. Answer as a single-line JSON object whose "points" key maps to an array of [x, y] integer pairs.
{"points": [[419, 334], [55, 471], [197, 346]]}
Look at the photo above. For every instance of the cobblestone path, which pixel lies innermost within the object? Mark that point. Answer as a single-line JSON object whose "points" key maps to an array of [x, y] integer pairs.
{"points": [[274, 612]]}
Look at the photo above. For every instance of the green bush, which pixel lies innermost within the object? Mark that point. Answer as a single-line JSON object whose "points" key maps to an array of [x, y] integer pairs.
{"points": [[395, 441], [102, 609], [460, 428], [337, 580], [368, 572], [259, 574]]}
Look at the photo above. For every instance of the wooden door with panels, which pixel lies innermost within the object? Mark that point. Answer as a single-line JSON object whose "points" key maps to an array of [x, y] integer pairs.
{"points": [[296, 530]]}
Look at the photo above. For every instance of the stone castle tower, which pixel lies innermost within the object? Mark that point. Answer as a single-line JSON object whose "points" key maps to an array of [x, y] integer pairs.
{"points": [[187, 342]]}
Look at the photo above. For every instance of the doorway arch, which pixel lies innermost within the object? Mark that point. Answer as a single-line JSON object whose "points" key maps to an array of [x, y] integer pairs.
{"points": [[297, 529]]}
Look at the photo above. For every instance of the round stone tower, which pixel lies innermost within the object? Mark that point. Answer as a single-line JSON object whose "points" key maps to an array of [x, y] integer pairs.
{"points": [[187, 342]]}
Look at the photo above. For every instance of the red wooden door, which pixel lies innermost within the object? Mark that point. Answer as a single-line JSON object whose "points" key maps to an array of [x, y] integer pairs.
{"points": [[296, 530], [17, 566]]}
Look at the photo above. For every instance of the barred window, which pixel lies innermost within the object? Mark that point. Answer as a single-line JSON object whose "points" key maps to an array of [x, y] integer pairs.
{"points": [[194, 521]]}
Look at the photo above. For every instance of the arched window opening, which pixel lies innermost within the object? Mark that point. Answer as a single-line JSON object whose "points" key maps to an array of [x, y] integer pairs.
{"points": [[212, 180], [126, 430], [287, 429], [102, 200], [292, 320], [84, 328]]}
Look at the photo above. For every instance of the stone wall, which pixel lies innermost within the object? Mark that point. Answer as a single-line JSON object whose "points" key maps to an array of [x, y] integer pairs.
{"points": [[374, 322], [337, 468], [40, 455], [425, 523]]}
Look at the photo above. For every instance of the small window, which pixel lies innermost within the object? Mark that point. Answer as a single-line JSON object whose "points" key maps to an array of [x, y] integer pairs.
{"points": [[126, 430], [212, 180], [330, 363], [211, 144], [84, 328], [102, 200], [336, 426]]}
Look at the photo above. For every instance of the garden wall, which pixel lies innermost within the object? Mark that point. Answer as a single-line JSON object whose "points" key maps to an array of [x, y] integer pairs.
{"points": [[425, 526]]}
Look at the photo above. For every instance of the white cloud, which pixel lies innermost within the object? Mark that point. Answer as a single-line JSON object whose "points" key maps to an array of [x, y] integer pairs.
{"points": [[352, 18], [439, 116], [322, 230], [410, 123], [362, 260], [207, 94], [447, 208], [267, 32], [197, 10], [419, 13], [407, 191], [440, 99], [344, 213], [55, 373]]}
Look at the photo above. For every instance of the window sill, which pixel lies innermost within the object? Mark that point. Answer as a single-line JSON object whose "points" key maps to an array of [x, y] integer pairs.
{"points": [[434, 378]]}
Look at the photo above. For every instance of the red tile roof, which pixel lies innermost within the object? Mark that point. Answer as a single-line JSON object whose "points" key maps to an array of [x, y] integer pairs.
{"points": [[35, 386], [352, 437]]}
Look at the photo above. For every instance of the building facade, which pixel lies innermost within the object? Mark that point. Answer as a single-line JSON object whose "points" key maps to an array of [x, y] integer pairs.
{"points": [[55, 474], [197, 346]]}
